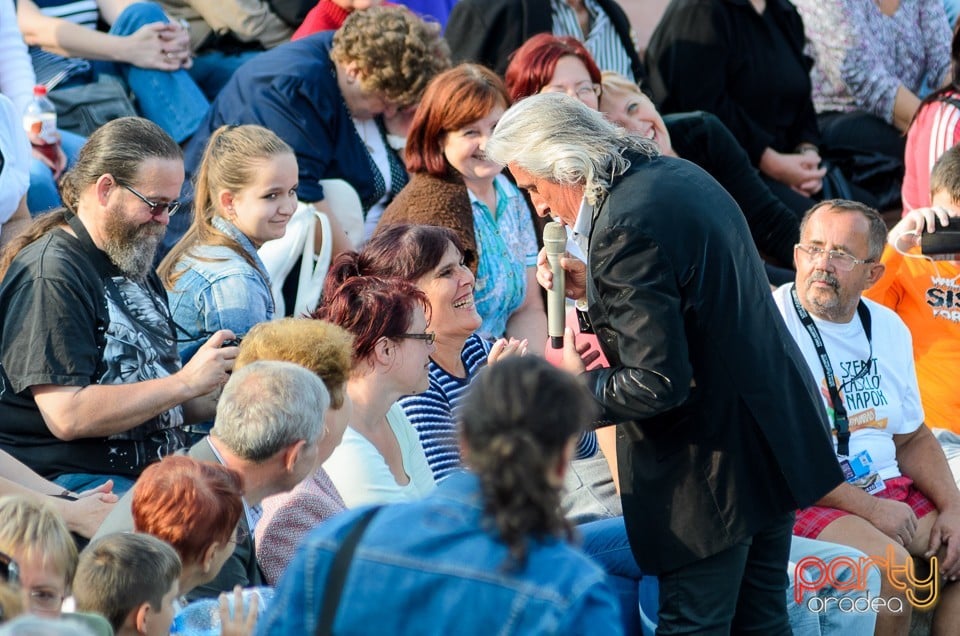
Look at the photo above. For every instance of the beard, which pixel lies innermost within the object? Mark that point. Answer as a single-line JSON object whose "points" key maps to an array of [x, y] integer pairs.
{"points": [[131, 247], [825, 304]]}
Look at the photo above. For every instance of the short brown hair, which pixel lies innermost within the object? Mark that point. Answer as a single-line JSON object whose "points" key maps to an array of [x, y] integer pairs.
{"points": [[396, 52], [120, 572], [317, 345], [877, 234], [453, 99]]}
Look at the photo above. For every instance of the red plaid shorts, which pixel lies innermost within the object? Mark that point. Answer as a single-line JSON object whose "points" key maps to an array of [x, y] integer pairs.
{"points": [[811, 521]]}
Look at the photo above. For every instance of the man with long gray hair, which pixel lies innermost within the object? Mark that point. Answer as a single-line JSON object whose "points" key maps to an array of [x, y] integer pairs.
{"points": [[721, 435]]}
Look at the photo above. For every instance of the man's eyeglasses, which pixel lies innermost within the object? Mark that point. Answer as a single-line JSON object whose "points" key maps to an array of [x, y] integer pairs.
{"points": [[429, 338], [156, 209], [841, 260]]}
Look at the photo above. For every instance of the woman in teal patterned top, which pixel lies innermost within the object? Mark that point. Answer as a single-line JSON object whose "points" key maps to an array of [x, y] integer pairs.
{"points": [[456, 187]]}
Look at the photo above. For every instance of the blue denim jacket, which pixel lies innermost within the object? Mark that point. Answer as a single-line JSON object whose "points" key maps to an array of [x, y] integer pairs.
{"points": [[433, 567], [219, 290]]}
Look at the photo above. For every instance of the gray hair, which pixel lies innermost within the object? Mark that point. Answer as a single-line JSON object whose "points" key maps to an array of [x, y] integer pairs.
{"points": [[269, 405], [556, 137], [877, 233]]}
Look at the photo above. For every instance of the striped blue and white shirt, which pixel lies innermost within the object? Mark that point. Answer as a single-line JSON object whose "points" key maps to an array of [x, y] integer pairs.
{"points": [[603, 42], [432, 413]]}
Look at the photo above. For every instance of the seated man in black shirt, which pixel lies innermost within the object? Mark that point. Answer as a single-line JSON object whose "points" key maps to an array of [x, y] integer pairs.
{"points": [[90, 382]]}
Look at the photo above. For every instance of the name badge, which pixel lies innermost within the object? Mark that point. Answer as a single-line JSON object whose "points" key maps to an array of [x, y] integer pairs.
{"points": [[856, 470]]}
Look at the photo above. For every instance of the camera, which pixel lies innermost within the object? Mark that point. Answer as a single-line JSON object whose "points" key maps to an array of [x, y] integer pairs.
{"points": [[946, 240]]}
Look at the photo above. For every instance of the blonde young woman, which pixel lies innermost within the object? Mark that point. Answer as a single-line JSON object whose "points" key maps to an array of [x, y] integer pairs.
{"points": [[246, 192]]}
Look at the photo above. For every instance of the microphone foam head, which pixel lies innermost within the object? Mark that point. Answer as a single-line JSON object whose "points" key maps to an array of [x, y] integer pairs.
{"points": [[554, 233]]}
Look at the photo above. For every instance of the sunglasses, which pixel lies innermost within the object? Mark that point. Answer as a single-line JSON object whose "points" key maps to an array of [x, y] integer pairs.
{"points": [[156, 209]]}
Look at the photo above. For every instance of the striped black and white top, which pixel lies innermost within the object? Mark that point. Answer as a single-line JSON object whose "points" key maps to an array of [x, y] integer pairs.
{"points": [[52, 69], [603, 42]]}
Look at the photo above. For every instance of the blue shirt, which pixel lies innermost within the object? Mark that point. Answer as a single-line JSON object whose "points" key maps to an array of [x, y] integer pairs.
{"points": [[218, 289], [506, 247], [444, 573], [292, 90]]}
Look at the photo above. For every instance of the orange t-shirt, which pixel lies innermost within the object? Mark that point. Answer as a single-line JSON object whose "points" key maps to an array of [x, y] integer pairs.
{"points": [[926, 296]]}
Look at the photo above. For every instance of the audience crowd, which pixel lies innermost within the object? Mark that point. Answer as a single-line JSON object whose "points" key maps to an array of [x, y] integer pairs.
{"points": [[752, 421]]}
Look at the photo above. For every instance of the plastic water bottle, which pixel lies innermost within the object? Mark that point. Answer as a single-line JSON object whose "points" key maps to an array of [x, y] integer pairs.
{"points": [[202, 618], [40, 123]]}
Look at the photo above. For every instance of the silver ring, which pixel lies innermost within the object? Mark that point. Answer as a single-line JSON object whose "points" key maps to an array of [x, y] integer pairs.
{"points": [[168, 55]]}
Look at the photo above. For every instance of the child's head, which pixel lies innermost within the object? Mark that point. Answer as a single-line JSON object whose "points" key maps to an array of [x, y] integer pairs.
{"points": [[132, 580], [945, 180], [34, 534]]}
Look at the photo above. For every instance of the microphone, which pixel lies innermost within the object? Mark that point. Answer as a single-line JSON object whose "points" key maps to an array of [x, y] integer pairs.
{"points": [[555, 242]]}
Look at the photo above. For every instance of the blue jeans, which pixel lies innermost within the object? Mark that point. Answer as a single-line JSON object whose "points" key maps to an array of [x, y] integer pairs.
{"points": [[43, 195], [832, 621], [211, 69], [78, 482], [172, 100], [605, 542]]}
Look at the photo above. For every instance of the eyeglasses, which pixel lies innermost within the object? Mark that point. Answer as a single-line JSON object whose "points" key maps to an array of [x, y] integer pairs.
{"points": [[240, 536], [9, 570], [156, 209], [45, 599], [580, 91], [841, 260], [429, 338]]}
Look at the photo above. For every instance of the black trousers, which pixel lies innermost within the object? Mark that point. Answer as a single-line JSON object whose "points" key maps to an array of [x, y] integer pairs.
{"points": [[741, 590]]}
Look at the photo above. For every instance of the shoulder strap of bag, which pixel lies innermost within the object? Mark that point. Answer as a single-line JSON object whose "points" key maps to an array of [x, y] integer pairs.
{"points": [[337, 576]]}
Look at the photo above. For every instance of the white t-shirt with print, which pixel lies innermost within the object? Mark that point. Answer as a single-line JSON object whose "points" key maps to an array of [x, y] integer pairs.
{"points": [[885, 401]]}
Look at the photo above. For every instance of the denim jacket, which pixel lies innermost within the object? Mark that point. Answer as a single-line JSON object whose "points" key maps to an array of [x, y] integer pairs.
{"points": [[434, 567], [219, 290]]}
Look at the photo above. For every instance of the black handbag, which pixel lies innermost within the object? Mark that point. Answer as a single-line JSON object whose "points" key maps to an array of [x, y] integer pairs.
{"points": [[83, 108]]}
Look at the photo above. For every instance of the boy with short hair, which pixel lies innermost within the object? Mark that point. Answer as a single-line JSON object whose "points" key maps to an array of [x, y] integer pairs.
{"points": [[925, 294], [132, 580]]}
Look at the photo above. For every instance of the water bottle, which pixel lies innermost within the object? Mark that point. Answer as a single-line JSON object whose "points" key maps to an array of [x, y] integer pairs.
{"points": [[202, 618], [40, 123]]}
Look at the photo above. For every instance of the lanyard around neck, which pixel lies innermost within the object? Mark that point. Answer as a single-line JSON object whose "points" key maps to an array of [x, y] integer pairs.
{"points": [[841, 423]]}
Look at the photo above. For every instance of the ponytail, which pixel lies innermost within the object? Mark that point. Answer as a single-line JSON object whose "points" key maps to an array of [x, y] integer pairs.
{"points": [[517, 420]]}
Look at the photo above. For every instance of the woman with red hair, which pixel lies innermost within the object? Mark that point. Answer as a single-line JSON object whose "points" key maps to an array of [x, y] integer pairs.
{"points": [[454, 186], [380, 459], [547, 63], [194, 506]]}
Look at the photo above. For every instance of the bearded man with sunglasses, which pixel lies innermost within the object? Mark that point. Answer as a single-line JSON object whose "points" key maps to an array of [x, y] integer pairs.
{"points": [[899, 499], [91, 387]]}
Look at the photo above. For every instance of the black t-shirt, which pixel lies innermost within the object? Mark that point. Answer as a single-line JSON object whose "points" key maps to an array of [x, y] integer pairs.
{"points": [[64, 324]]}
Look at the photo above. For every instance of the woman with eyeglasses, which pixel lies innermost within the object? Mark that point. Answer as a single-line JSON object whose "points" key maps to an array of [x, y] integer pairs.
{"points": [[246, 192], [34, 535], [548, 63], [380, 459], [453, 185]]}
